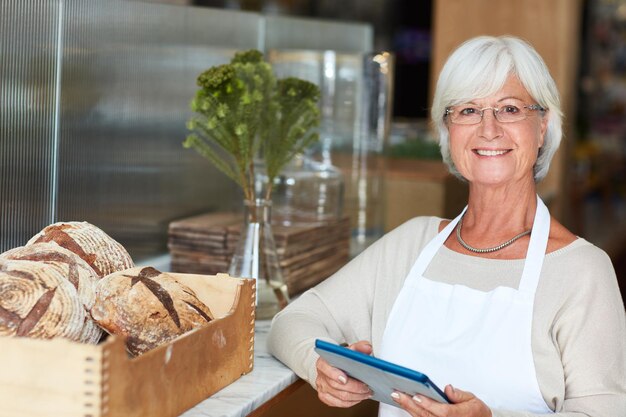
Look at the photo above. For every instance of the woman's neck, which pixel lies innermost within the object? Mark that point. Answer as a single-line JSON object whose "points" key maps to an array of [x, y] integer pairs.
{"points": [[497, 214]]}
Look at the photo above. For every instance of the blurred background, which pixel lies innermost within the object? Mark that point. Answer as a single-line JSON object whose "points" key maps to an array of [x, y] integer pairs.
{"points": [[94, 97]]}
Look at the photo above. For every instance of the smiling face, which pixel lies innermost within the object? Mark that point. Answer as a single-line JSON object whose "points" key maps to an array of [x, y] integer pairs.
{"points": [[492, 152]]}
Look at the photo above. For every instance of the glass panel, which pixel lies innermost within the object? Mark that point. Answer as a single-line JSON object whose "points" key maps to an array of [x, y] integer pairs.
{"points": [[28, 49], [290, 33], [129, 72]]}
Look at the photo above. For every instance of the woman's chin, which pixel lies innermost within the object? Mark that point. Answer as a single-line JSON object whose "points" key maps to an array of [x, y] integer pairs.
{"points": [[493, 178]]}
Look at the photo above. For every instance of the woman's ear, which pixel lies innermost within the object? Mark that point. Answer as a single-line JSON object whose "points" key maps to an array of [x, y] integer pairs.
{"points": [[544, 128]]}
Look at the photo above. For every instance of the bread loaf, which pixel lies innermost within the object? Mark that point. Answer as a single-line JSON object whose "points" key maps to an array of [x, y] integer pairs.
{"points": [[104, 254], [72, 268], [37, 301], [148, 307]]}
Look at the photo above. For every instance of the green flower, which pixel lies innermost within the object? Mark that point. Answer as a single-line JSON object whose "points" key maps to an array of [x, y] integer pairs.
{"points": [[216, 77], [248, 57], [242, 112]]}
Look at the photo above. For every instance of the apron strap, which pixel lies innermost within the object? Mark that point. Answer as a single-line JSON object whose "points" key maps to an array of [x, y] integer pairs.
{"points": [[536, 249], [431, 248]]}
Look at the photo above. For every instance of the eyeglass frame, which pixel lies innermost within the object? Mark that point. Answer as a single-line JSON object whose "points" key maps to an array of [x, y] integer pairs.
{"points": [[496, 111]]}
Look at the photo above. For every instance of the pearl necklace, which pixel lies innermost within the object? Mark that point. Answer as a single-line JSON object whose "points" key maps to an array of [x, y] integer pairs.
{"points": [[487, 250]]}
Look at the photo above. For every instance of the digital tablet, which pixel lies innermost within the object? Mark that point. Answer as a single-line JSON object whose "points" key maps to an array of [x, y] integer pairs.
{"points": [[381, 376]]}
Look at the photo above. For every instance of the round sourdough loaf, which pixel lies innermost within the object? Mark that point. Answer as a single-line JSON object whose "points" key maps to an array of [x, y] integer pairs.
{"points": [[147, 307], [37, 301], [103, 253], [71, 267]]}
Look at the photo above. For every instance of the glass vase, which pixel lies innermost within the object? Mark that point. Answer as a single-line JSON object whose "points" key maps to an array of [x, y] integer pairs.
{"points": [[256, 257]]}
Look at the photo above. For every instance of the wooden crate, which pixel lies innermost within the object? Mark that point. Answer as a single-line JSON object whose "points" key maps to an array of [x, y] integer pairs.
{"points": [[44, 378]]}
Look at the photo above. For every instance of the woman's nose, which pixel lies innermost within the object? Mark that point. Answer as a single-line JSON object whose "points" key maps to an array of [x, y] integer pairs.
{"points": [[490, 128]]}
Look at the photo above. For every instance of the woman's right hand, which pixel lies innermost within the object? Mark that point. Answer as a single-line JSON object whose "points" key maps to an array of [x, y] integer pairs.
{"points": [[335, 388]]}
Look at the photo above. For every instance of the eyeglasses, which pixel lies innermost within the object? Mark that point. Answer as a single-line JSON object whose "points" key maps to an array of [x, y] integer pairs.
{"points": [[467, 114]]}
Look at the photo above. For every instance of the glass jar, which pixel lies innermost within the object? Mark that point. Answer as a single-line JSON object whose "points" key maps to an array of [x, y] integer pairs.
{"points": [[307, 192]]}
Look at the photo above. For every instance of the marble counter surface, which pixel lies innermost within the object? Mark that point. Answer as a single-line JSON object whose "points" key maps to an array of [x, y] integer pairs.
{"points": [[268, 378]]}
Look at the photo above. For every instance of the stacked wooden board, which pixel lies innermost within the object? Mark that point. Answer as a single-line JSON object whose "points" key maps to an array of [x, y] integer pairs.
{"points": [[308, 254]]}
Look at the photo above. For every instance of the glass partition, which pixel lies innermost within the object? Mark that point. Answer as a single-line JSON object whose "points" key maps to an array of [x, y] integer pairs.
{"points": [[94, 100]]}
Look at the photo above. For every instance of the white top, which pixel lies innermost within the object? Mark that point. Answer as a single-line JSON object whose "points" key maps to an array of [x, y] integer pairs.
{"points": [[578, 325]]}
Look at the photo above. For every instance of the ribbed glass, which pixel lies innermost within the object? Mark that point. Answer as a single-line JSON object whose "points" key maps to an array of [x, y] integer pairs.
{"points": [[94, 99], [28, 126], [129, 72]]}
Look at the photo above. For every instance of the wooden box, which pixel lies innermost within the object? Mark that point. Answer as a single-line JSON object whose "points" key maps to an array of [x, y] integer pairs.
{"points": [[44, 378]]}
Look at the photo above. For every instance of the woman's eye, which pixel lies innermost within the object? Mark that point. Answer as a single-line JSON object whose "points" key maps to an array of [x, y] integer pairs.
{"points": [[510, 109], [468, 111]]}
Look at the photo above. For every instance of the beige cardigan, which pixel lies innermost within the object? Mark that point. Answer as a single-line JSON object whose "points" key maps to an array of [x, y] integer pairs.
{"points": [[579, 324]]}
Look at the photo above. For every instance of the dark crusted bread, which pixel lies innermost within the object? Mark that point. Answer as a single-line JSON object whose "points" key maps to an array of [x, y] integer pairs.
{"points": [[147, 307], [103, 253], [72, 268], [37, 301]]}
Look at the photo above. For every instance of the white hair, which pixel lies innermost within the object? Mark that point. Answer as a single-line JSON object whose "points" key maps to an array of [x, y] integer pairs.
{"points": [[479, 68]]}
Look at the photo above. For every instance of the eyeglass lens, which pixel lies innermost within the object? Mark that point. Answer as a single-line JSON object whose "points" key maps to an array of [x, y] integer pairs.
{"points": [[469, 114]]}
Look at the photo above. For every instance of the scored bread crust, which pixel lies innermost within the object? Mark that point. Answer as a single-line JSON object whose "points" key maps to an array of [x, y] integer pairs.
{"points": [[147, 307], [72, 268], [37, 301], [103, 253]]}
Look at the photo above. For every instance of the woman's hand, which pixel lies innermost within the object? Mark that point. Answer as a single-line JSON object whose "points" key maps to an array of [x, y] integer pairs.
{"points": [[465, 404], [335, 388]]}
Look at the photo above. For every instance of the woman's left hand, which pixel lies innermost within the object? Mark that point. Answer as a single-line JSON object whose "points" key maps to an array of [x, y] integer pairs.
{"points": [[464, 404]]}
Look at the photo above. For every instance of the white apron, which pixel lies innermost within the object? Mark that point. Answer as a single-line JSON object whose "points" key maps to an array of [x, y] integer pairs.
{"points": [[477, 341]]}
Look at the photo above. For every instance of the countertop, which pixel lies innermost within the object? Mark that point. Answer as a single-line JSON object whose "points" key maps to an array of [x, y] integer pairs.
{"points": [[267, 379]]}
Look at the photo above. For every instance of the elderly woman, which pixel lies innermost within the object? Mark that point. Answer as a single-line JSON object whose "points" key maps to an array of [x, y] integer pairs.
{"points": [[503, 306]]}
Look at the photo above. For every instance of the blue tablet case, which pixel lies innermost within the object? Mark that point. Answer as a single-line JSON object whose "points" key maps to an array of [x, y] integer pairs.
{"points": [[381, 376]]}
